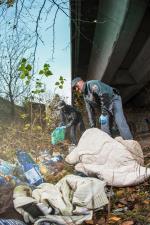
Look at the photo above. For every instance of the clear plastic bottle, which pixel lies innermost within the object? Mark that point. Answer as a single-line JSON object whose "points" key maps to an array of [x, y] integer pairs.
{"points": [[30, 168]]}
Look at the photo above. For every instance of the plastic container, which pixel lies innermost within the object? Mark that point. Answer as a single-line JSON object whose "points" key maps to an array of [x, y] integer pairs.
{"points": [[6, 168], [57, 158], [30, 168], [58, 135], [51, 166], [45, 155]]}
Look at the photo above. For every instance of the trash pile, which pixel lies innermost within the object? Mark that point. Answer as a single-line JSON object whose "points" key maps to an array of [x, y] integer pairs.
{"points": [[26, 170], [100, 161], [8, 172]]}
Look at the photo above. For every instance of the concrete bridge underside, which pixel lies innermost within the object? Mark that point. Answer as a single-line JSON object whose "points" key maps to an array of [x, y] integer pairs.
{"points": [[111, 42]]}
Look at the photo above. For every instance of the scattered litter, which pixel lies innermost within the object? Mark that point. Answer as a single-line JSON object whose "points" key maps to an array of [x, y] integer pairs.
{"points": [[44, 156], [30, 168], [119, 210], [7, 174], [50, 165]]}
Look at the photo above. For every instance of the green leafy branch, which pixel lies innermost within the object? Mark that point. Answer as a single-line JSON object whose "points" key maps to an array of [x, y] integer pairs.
{"points": [[60, 82], [46, 71], [25, 71], [25, 74]]}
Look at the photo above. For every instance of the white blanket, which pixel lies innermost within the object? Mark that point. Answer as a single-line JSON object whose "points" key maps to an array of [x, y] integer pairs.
{"points": [[119, 162], [73, 198]]}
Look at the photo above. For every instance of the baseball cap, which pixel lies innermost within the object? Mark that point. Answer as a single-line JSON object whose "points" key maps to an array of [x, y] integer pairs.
{"points": [[75, 81]]}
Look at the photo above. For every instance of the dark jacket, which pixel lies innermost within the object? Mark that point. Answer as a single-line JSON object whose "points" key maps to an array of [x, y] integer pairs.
{"points": [[70, 116], [97, 95]]}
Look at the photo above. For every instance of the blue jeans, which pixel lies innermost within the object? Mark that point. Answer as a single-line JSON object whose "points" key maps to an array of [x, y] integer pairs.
{"points": [[119, 118]]}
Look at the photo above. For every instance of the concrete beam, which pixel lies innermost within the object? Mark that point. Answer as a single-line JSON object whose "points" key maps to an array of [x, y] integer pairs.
{"points": [[134, 15], [140, 69], [127, 92], [123, 77]]}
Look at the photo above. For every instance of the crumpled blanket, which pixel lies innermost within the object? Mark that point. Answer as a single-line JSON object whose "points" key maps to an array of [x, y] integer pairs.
{"points": [[119, 162], [71, 200]]}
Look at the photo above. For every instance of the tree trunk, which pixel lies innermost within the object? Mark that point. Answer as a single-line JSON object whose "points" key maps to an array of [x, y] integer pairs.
{"points": [[11, 100], [13, 111]]}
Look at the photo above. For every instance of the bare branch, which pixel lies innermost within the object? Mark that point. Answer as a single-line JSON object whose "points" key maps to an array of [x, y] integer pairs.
{"points": [[54, 21], [36, 31]]}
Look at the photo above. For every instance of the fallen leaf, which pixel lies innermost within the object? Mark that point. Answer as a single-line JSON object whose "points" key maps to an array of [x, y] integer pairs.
{"points": [[114, 219], [102, 221], [147, 202], [120, 205], [89, 222], [120, 193], [129, 222]]}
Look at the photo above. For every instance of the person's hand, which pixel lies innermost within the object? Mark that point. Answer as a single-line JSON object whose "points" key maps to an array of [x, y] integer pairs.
{"points": [[63, 127], [103, 119], [67, 125]]}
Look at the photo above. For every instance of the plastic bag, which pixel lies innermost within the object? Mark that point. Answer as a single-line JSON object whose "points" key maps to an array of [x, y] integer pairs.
{"points": [[6, 168], [58, 135], [51, 165]]}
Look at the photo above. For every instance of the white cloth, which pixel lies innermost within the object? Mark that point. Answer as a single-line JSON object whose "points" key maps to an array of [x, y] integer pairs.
{"points": [[117, 161], [73, 199]]}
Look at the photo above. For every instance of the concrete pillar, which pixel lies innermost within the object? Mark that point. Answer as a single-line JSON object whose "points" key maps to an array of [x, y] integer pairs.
{"points": [[111, 17]]}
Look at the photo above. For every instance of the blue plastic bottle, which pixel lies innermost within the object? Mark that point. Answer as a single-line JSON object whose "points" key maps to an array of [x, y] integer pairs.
{"points": [[30, 168]]}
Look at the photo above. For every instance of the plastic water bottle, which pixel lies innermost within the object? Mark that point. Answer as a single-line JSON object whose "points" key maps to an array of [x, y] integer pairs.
{"points": [[30, 168]]}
